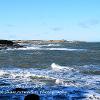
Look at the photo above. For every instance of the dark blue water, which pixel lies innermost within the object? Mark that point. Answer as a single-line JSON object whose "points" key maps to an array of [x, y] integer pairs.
{"points": [[54, 71]]}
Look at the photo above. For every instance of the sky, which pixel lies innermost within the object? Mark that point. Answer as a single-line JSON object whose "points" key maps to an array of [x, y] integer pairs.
{"points": [[50, 20]]}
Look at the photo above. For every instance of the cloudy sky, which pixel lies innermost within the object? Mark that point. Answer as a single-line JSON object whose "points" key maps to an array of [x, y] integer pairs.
{"points": [[50, 19]]}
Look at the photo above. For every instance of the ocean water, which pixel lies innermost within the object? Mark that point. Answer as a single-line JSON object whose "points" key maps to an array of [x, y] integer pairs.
{"points": [[54, 71]]}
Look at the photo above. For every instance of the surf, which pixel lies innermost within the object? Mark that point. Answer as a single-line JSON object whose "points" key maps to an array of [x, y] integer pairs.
{"points": [[57, 67]]}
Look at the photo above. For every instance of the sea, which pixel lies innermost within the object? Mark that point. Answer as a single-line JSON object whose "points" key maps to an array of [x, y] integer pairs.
{"points": [[53, 71]]}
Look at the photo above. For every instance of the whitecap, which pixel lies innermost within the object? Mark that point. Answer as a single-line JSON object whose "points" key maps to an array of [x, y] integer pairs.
{"points": [[57, 67], [61, 49], [2, 72], [42, 48], [59, 81], [53, 45]]}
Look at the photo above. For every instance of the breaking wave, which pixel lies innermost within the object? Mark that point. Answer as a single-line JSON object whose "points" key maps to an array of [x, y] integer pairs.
{"points": [[60, 74], [57, 67], [53, 45], [41, 48]]}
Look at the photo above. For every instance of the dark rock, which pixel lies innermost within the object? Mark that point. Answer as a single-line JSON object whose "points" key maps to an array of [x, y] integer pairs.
{"points": [[4, 44], [17, 45], [19, 89], [32, 97]]}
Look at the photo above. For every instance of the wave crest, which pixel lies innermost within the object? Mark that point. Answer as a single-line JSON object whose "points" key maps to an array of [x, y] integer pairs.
{"points": [[57, 67]]}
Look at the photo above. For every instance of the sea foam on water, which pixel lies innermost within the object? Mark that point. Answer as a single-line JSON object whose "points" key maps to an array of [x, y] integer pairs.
{"points": [[57, 67]]}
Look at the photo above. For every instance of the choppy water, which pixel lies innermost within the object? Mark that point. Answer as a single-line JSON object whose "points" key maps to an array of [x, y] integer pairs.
{"points": [[64, 71]]}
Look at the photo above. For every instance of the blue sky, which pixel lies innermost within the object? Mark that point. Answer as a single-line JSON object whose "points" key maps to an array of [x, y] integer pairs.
{"points": [[50, 19]]}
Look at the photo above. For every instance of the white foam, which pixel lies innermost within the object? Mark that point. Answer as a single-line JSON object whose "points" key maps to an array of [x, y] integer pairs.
{"points": [[57, 67], [62, 75], [53, 45], [59, 81], [64, 49], [25, 48], [2, 72], [41, 48], [91, 95]]}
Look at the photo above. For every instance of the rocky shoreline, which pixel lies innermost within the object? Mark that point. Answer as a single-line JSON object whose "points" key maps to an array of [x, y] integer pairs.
{"points": [[45, 41], [4, 44], [38, 41]]}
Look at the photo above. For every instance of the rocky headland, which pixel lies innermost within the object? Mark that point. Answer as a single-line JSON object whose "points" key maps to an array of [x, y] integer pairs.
{"points": [[4, 44]]}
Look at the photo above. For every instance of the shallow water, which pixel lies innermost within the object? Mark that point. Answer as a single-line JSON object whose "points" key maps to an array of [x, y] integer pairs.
{"points": [[64, 71]]}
